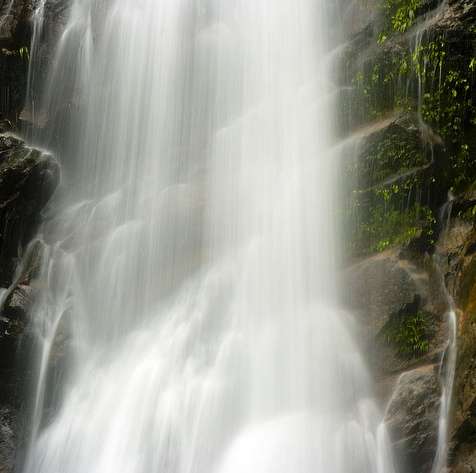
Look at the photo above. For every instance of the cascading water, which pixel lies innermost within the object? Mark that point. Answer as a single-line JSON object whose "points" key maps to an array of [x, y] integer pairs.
{"points": [[191, 255]]}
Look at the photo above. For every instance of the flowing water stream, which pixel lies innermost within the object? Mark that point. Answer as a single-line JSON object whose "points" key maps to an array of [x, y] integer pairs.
{"points": [[191, 253]]}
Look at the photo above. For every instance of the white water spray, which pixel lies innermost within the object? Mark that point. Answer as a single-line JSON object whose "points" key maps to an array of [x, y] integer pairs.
{"points": [[193, 251]]}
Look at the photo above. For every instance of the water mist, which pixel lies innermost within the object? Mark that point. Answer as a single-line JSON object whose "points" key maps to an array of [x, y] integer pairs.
{"points": [[191, 254]]}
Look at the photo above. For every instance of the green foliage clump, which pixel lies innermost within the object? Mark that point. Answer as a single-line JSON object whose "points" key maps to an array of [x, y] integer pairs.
{"points": [[402, 13], [410, 334], [399, 16], [386, 227]]}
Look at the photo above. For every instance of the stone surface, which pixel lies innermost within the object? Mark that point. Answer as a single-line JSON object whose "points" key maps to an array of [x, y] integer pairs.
{"points": [[401, 136], [459, 245], [384, 287], [7, 440], [28, 178], [412, 418]]}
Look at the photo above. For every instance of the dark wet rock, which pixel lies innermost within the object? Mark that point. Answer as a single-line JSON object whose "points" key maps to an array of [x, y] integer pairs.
{"points": [[16, 301], [7, 440], [28, 178], [401, 153], [13, 80], [412, 418], [15, 24], [395, 193], [16, 29], [15, 37], [401, 149]]}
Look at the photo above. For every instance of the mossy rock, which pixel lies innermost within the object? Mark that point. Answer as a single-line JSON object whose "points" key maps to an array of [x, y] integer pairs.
{"points": [[395, 188], [394, 154]]}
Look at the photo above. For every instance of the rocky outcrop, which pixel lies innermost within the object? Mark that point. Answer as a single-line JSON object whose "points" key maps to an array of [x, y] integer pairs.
{"points": [[458, 244], [14, 43], [28, 178], [17, 50], [412, 418], [410, 70], [401, 148], [387, 291], [394, 168], [401, 307]]}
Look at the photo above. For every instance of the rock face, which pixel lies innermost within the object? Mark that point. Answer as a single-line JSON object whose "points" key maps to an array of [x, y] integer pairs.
{"points": [[28, 178], [459, 244], [387, 291], [7, 441], [419, 142], [412, 104], [15, 37], [412, 418], [16, 29], [400, 149], [401, 309]]}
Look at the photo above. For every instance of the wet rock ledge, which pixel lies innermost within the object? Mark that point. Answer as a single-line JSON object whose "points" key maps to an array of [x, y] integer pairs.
{"points": [[28, 179]]}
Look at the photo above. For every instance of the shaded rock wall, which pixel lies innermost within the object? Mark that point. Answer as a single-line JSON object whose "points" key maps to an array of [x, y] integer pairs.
{"points": [[17, 51], [28, 179], [409, 105], [401, 308], [458, 243], [411, 74]]}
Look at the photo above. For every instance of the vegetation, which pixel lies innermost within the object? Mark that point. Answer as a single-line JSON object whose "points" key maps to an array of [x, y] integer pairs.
{"points": [[410, 334], [430, 78], [400, 15]]}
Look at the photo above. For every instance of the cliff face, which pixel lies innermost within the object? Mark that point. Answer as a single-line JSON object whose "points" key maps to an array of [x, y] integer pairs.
{"points": [[28, 179], [411, 72], [15, 38], [409, 105]]}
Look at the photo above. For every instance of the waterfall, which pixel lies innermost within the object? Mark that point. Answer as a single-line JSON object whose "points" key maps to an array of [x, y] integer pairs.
{"points": [[190, 271]]}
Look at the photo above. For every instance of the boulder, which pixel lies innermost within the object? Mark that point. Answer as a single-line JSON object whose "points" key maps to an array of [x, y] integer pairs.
{"points": [[412, 418], [28, 178], [385, 291]]}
